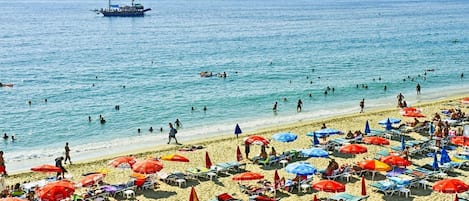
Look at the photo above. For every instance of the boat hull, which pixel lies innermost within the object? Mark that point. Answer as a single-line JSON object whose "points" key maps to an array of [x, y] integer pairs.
{"points": [[139, 13]]}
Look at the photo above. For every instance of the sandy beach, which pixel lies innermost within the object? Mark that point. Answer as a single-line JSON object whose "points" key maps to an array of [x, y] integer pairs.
{"points": [[223, 149]]}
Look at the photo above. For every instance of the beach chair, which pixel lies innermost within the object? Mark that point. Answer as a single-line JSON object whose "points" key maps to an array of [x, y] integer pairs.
{"points": [[130, 185], [335, 174], [387, 187]]}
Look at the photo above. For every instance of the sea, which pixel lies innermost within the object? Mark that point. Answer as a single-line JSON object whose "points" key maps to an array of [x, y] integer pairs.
{"points": [[85, 65]]}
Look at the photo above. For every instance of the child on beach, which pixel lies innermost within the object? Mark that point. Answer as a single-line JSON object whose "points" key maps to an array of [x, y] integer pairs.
{"points": [[3, 170]]}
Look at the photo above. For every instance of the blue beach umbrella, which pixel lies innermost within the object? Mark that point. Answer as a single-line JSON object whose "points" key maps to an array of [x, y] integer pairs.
{"points": [[435, 163], [324, 132], [237, 130], [300, 168], [392, 120], [402, 143], [315, 139], [444, 158], [285, 137], [367, 128], [388, 125], [315, 152]]}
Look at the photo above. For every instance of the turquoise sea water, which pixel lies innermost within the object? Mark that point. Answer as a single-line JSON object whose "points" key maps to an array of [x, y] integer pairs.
{"points": [[57, 50]]}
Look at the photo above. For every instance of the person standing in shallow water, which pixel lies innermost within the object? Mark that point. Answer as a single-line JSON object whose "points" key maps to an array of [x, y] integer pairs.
{"points": [[299, 105], [67, 154], [172, 133], [418, 88], [275, 107]]}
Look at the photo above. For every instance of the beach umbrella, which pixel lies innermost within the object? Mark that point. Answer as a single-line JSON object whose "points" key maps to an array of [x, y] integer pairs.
{"points": [[123, 162], [413, 114], [435, 162], [12, 199], [239, 156], [450, 185], [247, 176], [237, 130], [444, 158], [353, 149], [56, 190], [324, 132], [388, 125], [315, 152], [460, 140], [376, 140], [91, 179], [408, 109], [208, 162], [276, 180], [402, 143], [465, 100], [363, 186], [285, 137], [46, 168], [329, 186], [391, 120], [256, 139], [148, 166], [395, 161], [367, 128], [374, 165], [315, 198], [175, 157], [315, 139], [300, 168], [193, 195]]}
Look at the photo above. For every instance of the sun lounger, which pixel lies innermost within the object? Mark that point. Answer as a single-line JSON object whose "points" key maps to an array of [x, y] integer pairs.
{"points": [[387, 187], [347, 197], [130, 185], [200, 172], [232, 166]]}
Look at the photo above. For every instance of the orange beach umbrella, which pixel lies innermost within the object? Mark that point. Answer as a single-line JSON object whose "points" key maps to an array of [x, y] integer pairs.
{"points": [[330, 186], [256, 139], [450, 186], [353, 149], [395, 160], [374, 165], [376, 140], [91, 179]]}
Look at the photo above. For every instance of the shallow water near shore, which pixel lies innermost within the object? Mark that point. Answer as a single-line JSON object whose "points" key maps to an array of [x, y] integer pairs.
{"points": [[270, 51]]}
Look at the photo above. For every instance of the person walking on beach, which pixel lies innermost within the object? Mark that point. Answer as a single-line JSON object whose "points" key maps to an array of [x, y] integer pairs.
{"points": [[3, 170], [362, 105], [418, 88], [67, 154], [299, 105], [172, 133], [58, 163], [247, 149]]}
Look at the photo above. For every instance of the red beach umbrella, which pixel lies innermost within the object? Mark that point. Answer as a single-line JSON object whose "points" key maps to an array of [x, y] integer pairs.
{"points": [[315, 198], [12, 199], [175, 157], [256, 139], [55, 191], [450, 186], [91, 179], [193, 195], [330, 186], [239, 155], [248, 176], [353, 149], [409, 109], [123, 161], [465, 100], [46, 168], [413, 114], [376, 140], [363, 186], [374, 165], [276, 180], [148, 166], [208, 162], [395, 160], [460, 140]]}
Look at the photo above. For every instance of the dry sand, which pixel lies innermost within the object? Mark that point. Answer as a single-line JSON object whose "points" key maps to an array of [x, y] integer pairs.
{"points": [[223, 149]]}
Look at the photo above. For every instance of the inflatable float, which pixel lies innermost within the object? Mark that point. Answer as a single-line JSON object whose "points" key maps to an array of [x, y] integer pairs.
{"points": [[6, 85]]}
